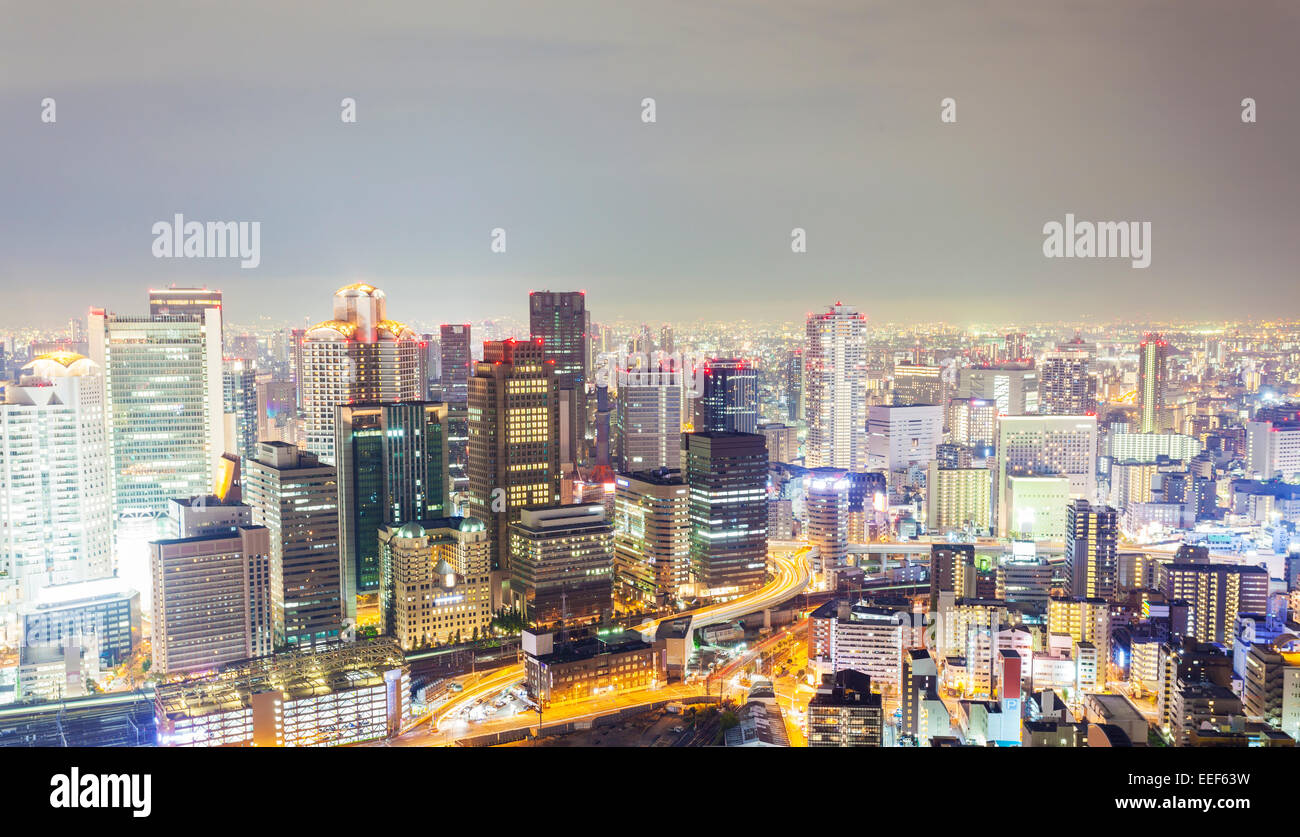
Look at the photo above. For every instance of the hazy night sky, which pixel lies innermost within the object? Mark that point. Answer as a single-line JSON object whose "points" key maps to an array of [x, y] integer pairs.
{"points": [[771, 115]]}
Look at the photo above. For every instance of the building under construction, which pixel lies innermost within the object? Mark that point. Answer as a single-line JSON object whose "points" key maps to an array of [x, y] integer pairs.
{"points": [[322, 697]]}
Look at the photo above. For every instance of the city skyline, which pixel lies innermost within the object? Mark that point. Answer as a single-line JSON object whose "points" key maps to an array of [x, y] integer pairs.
{"points": [[537, 129]]}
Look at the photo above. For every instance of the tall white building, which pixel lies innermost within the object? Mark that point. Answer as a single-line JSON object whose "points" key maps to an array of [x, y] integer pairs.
{"points": [[900, 436], [55, 491], [835, 389], [1046, 446], [164, 402], [358, 355], [1273, 450], [649, 422]]}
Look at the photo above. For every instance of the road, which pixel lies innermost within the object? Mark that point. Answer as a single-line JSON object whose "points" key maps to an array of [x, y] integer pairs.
{"points": [[443, 726]]}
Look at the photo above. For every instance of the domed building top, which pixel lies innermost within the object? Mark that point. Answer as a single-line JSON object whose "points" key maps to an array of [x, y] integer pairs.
{"points": [[342, 329], [358, 289], [60, 364], [472, 524], [444, 569], [394, 329], [411, 530]]}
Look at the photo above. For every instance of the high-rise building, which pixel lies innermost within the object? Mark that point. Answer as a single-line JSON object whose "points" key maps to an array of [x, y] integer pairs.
{"points": [[782, 442], [956, 498], [560, 320], [296, 498], [794, 385], [648, 421], [514, 439], [1152, 380], [952, 570], [55, 485], [727, 476], [1092, 550], [835, 389], [239, 401], [1217, 593], [213, 601], [454, 347], [1034, 447], [1066, 386], [652, 536], [918, 384], [163, 394], [728, 401], [826, 500], [903, 435], [391, 469], [562, 564], [1012, 386], [357, 356], [972, 422]]}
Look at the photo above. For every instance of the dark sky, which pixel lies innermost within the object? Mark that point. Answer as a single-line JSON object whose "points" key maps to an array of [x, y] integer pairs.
{"points": [[771, 115]]}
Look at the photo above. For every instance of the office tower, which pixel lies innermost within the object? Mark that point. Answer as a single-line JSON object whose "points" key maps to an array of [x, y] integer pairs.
{"points": [[559, 319], [1012, 386], [957, 498], [562, 563], [648, 421], [1091, 550], [901, 436], [391, 470], [1148, 447], [1218, 593], [55, 488], [972, 422], [835, 389], [826, 500], [189, 303], [213, 601], [1052, 447], [1024, 579], [952, 570], [296, 498], [456, 360], [794, 385], [432, 366], [107, 609], [845, 712], [729, 398], [514, 439], [207, 515], [727, 476], [1273, 449], [652, 536], [918, 384], [297, 339], [1066, 386], [239, 402], [426, 599], [782, 442], [666, 344], [357, 356], [1152, 380], [163, 393]]}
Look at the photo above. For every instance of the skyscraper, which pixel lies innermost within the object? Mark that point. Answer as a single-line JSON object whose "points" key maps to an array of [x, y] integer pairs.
{"points": [[163, 394], [239, 402], [1092, 550], [1152, 379], [514, 439], [727, 477], [359, 355], [391, 462], [652, 535], [1038, 447], [648, 422], [454, 347], [794, 385], [729, 400], [296, 498], [560, 320], [55, 486], [182, 302], [835, 389], [562, 564], [1066, 386]]}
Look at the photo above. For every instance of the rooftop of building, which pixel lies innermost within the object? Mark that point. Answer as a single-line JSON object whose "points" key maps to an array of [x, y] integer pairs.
{"points": [[591, 645]]}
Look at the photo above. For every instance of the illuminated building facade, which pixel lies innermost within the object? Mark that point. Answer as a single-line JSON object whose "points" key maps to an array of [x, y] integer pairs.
{"points": [[1153, 378], [652, 536], [562, 564], [727, 477], [835, 389], [357, 356], [729, 400]]}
